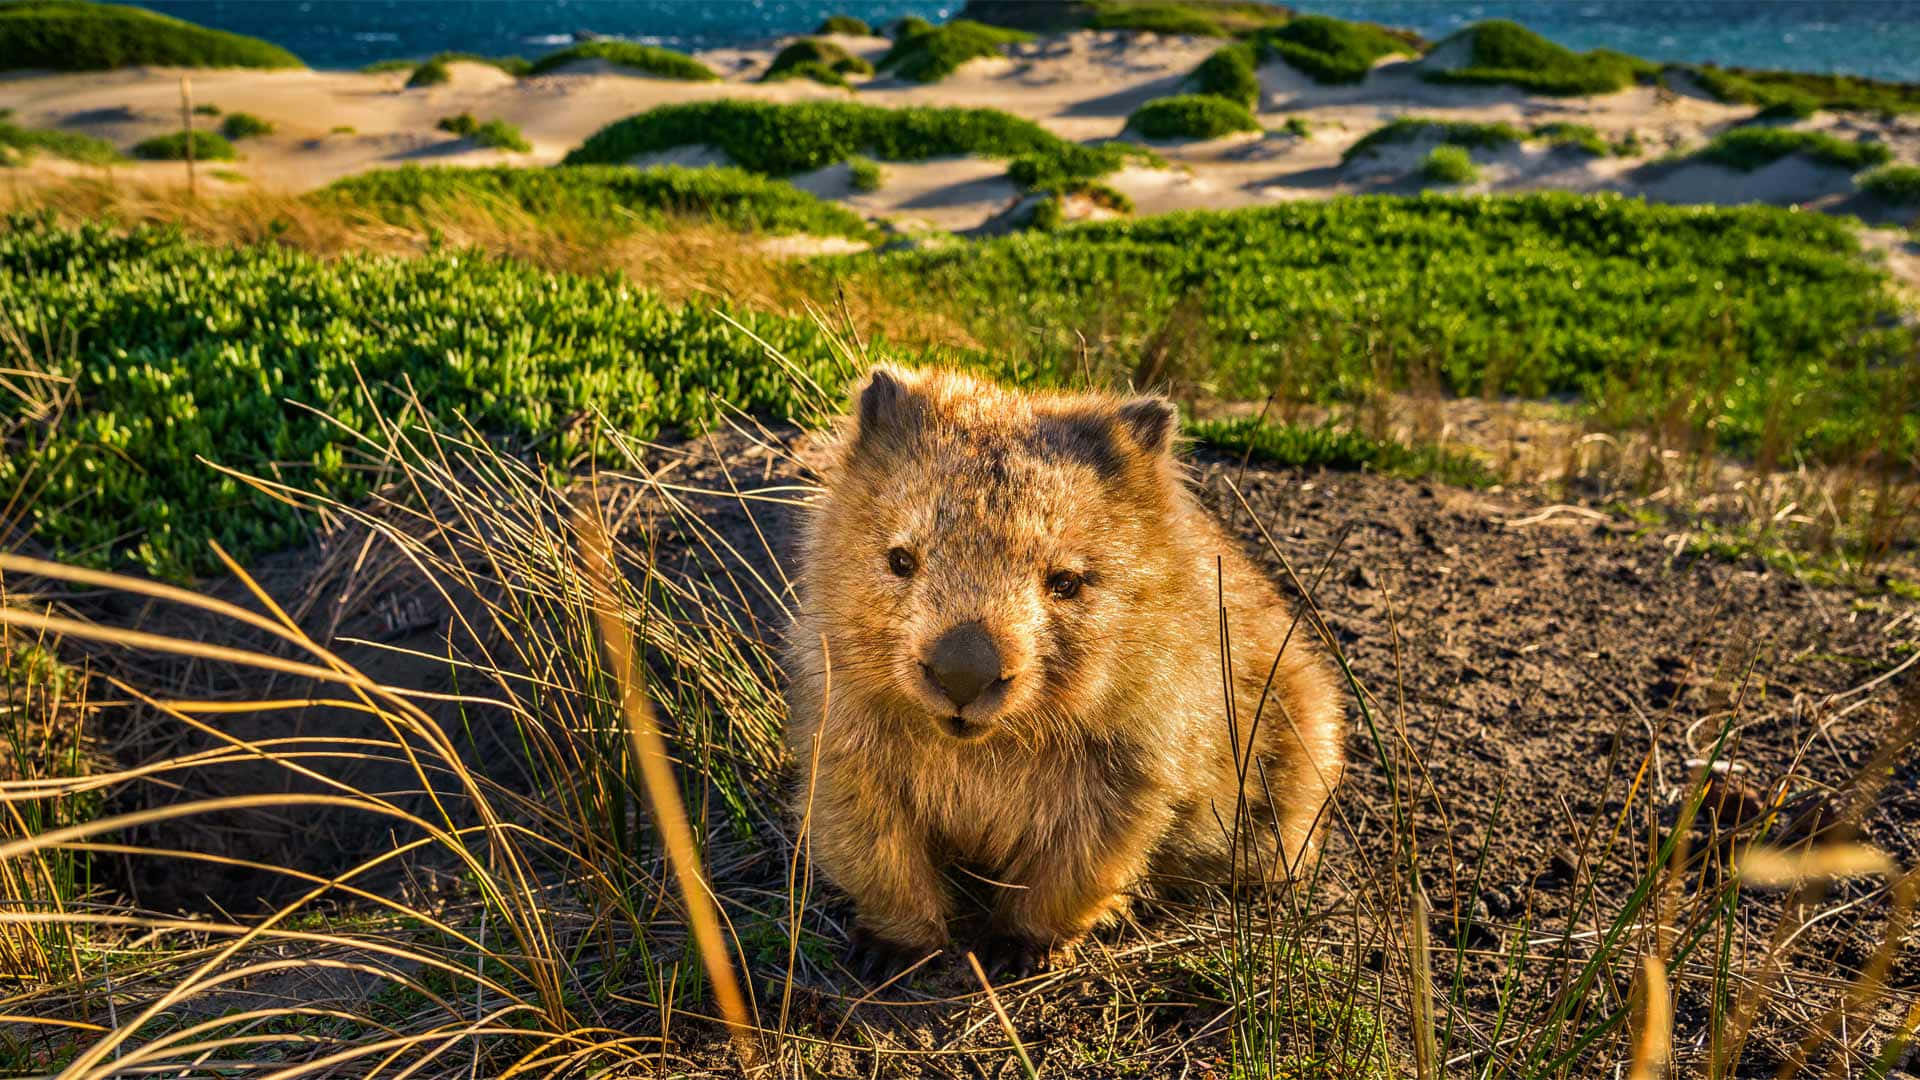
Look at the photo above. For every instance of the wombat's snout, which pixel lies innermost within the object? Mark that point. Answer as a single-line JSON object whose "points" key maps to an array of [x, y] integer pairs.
{"points": [[964, 663]]}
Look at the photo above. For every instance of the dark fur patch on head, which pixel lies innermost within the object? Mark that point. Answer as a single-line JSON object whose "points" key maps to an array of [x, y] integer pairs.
{"points": [[1150, 422], [1110, 440]]}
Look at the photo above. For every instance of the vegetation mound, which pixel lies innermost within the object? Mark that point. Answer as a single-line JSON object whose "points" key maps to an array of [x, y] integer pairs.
{"points": [[494, 134], [77, 35], [932, 55], [821, 61], [784, 139], [1191, 116], [1334, 50], [1750, 148], [1750, 86], [1447, 132], [1230, 72], [1894, 183], [1503, 52], [207, 146], [731, 197], [18, 144], [907, 26], [1449, 165], [845, 24], [649, 59], [242, 125], [1210, 18]]}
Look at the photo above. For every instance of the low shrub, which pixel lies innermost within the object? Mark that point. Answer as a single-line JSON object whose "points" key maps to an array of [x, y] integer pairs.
{"points": [[1333, 50], [1230, 73], [932, 55], [1584, 136], [1297, 126], [207, 146], [61, 35], [1787, 108], [21, 144], [1449, 132], [650, 59], [430, 73], [1327, 446], [821, 61], [389, 66], [1157, 18], [865, 174], [206, 110], [1749, 148], [907, 26], [733, 198], [1075, 166], [1191, 116], [1750, 86], [1211, 18], [784, 139], [242, 125], [1504, 52], [1894, 183], [495, 134], [845, 24], [1449, 165]]}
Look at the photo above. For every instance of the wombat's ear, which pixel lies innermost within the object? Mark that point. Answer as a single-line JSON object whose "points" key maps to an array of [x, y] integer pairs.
{"points": [[1149, 423], [888, 406]]}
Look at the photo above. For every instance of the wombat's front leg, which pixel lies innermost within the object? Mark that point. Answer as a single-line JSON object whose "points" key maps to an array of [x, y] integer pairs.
{"points": [[1065, 887], [868, 849]]}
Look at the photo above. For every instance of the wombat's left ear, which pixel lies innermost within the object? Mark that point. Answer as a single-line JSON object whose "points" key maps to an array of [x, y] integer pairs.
{"points": [[1149, 422]]}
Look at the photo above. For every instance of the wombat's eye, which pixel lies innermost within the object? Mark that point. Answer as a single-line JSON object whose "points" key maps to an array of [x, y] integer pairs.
{"points": [[902, 562], [1064, 584]]}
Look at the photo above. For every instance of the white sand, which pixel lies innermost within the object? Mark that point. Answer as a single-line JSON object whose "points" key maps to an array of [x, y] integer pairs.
{"points": [[1081, 86]]}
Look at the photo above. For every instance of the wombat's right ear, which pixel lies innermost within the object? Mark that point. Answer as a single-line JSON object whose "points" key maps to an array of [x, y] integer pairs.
{"points": [[888, 407]]}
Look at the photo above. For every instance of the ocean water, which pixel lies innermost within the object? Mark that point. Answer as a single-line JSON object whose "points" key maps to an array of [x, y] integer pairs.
{"points": [[1877, 38]]}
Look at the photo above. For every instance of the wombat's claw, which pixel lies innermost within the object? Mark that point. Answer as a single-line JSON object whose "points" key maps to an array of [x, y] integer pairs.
{"points": [[1013, 956], [874, 959]]}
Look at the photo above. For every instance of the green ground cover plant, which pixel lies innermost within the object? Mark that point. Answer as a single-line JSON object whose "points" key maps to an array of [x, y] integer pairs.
{"points": [[1502, 52], [1750, 148], [1157, 18], [494, 134], [844, 24], [1894, 183], [1328, 446], [1753, 86], [731, 197], [784, 139], [865, 174], [242, 125], [907, 26], [1785, 110], [18, 144], [648, 59], [1750, 326], [1208, 18], [1563, 133], [1230, 73], [932, 55], [77, 35], [1449, 165], [1450, 132], [821, 61], [430, 73], [207, 146], [1333, 50], [1191, 116]]}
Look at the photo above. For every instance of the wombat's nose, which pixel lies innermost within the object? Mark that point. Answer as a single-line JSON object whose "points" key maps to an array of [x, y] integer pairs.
{"points": [[964, 662]]}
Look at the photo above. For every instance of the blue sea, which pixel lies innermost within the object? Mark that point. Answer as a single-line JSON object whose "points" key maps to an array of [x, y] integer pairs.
{"points": [[1877, 38]]}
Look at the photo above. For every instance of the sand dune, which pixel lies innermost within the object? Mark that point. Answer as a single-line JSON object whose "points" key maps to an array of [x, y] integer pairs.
{"points": [[1082, 86]]}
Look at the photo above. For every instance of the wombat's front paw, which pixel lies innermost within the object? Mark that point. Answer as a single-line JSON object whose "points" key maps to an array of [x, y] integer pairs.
{"points": [[873, 958], [1014, 956]]}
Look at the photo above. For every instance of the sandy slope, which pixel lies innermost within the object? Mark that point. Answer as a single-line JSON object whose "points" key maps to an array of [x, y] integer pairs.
{"points": [[1081, 85]]}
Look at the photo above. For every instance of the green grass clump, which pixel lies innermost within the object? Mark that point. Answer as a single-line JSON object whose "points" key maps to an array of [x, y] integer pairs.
{"points": [[1749, 148], [784, 139], [1191, 116], [206, 110], [1449, 165], [732, 197], [1327, 446], [207, 146], [845, 24], [387, 67], [73, 35], [430, 73], [1584, 136], [242, 125], [1449, 132], [650, 59], [1504, 52], [1333, 50], [1206, 18], [865, 174], [1894, 183], [1741, 324], [18, 144], [249, 357], [1749, 86], [821, 61], [907, 26], [1786, 109], [932, 55], [1157, 18], [494, 134], [1230, 73]]}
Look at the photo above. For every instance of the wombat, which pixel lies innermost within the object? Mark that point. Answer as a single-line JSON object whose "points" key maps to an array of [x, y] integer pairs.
{"points": [[1008, 658]]}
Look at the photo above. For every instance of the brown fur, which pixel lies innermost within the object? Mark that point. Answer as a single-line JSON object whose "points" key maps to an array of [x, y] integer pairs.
{"points": [[1109, 753]]}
